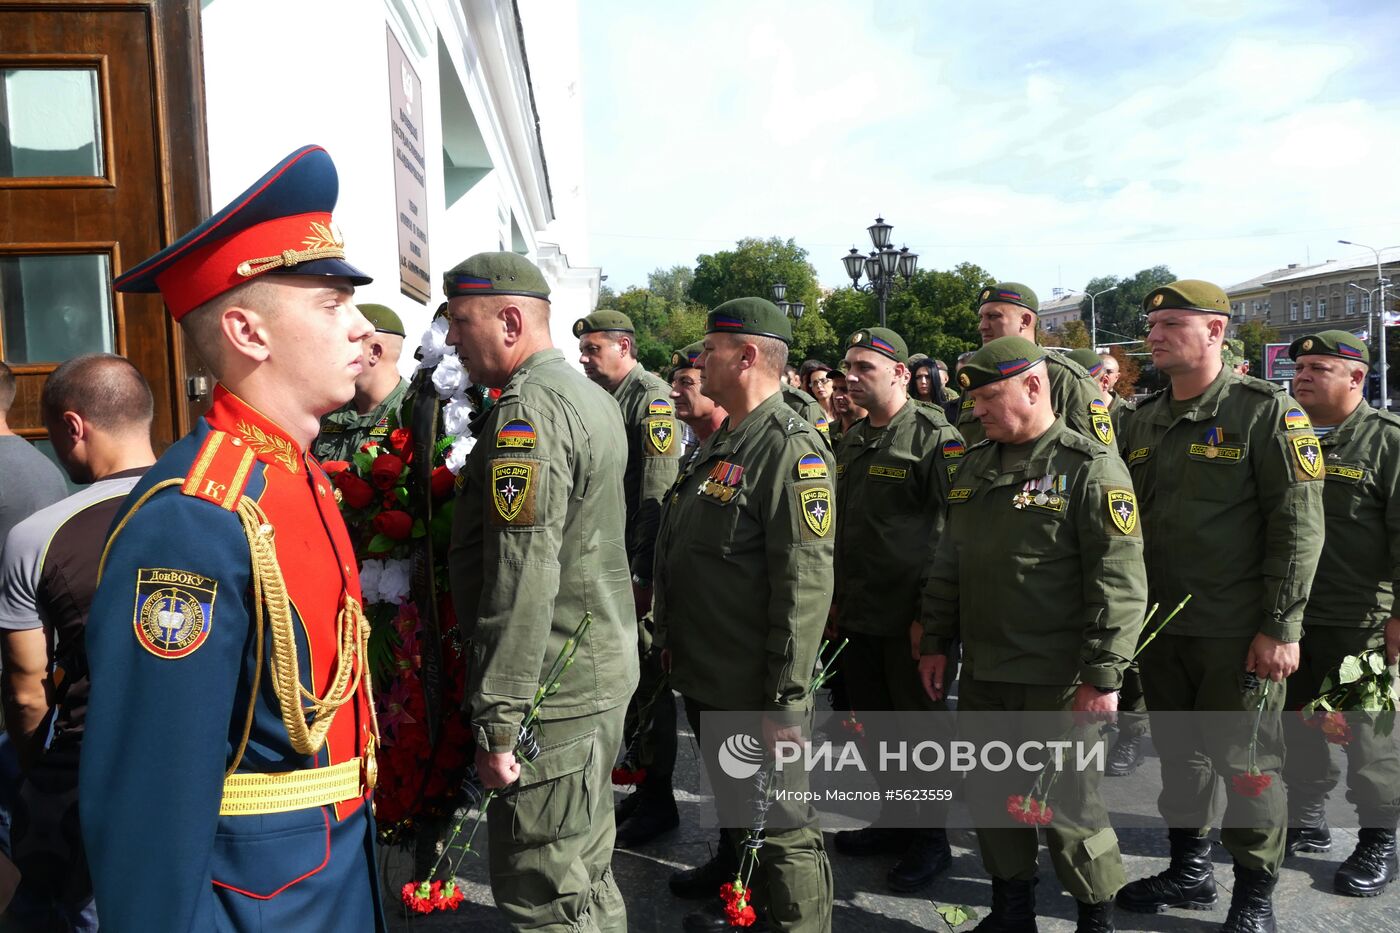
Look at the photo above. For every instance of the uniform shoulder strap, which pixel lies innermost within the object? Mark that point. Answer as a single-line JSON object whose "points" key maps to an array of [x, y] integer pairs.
{"points": [[220, 471]]}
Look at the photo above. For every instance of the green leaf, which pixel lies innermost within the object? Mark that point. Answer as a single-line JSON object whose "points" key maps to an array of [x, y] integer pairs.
{"points": [[362, 461], [1322, 702], [1350, 670], [419, 529], [1376, 661], [1310, 707], [1385, 722], [955, 914], [381, 544], [1327, 685], [401, 493]]}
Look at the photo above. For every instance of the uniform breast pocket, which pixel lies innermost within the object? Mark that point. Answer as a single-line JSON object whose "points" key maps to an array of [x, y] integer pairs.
{"points": [[1347, 492], [1218, 473]]}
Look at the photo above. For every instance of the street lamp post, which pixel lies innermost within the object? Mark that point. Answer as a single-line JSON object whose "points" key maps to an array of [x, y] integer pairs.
{"points": [[1380, 284], [1094, 317], [794, 309], [881, 266]]}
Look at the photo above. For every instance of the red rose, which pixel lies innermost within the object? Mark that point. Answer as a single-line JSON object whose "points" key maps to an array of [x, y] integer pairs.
{"points": [[395, 524], [400, 440], [332, 467], [385, 471], [354, 491], [442, 482]]}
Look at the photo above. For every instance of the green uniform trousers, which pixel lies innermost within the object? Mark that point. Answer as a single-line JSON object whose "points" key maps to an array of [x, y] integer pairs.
{"points": [[1083, 847], [882, 677], [551, 839], [1373, 767], [1184, 673], [792, 882]]}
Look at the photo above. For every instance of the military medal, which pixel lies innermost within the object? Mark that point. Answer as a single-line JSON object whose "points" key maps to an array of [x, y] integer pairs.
{"points": [[1214, 436], [1041, 498]]}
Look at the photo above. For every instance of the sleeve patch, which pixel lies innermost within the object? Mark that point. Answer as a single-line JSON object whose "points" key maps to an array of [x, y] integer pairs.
{"points": [[661, 432], [1296, 420], [174, 611], [816, 511], [1103, 427], [660, 408], [1307, 456], [811, 466], [953, 448], [516, 433], [513, 487], [1123, 510]]}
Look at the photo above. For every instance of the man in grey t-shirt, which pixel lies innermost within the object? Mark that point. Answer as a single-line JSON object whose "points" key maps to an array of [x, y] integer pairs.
{"points": [[31, 481]]}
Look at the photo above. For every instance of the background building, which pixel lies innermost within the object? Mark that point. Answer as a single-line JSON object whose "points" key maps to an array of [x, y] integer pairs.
{"points": [[456, 126], [1298, 299]]}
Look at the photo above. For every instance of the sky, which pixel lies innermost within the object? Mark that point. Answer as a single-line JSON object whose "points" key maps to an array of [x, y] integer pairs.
{"points": [[1047, 143]]}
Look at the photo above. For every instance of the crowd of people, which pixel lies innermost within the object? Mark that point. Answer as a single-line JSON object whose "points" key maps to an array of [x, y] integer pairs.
{"points": [[188, 693]]}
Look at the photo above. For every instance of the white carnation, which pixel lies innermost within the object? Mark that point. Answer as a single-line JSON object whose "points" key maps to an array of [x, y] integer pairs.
{"points": [[457, 416], [434, 343], [457, 453], [393, 582], [370, 571], [450, 378]]}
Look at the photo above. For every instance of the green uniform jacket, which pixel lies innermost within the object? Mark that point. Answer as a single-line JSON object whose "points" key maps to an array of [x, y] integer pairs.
{"points": [[1231, 498], [1360, 566], [1050, 594], [1074, 394], [744, 563], [653, 459], [345, 430], [892, 483], [1116, 410], [537, 541], [809, 408]]}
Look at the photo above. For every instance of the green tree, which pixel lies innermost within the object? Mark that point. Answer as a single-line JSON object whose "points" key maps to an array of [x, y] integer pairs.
{"points": [[673, 284], [1073, 335], [1255, 334], [607, 296], [1120, 314]]}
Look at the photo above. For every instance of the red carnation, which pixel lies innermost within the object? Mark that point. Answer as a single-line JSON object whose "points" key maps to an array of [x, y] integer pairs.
{"points": [[448, 897], [418, 895], [1335, 728], [1252, 784], [626, 777], [442, 482], [400, 440], [354, 491], [740, 916], [385, 471], [1046, 815], [394, 524], [332, 467]]}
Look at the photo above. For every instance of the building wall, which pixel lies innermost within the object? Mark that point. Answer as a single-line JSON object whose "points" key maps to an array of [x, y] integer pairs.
{"points": [[282, 74]]}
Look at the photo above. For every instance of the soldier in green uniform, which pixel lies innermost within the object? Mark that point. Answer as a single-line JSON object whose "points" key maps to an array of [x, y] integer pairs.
{"points": [[1351, 608], [805, 405], [1127, 751], [1229, 474], [847, 412], [608, 353], [893, 469], [1108, 384], [538, 539], [696, 410], [743, 584], [1012, 309], [1039, 572], [378, 391]]}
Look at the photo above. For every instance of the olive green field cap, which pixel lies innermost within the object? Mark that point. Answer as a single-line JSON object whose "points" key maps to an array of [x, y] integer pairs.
{"points": [[1088, 359], [1336, 343], [688, 356], [999, 359], [495, 274], [384, 319], [883, 341], [756, 316], [1188, 295], [1013, 293], [603, 321]]}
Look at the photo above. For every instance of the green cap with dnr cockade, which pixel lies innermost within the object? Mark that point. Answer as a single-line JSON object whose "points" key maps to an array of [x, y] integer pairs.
{"points": [[687, 357], [495, 274], [883, 341], [606, 320], [384, 319], [1000, 359], [1012, 293], [756, 316], [1336, 343], [1088, 359], [1188, 295]]}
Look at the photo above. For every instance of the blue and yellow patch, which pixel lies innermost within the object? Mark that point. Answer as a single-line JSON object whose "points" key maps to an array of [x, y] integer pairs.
{"points": [[174, 611], [812, 466]]}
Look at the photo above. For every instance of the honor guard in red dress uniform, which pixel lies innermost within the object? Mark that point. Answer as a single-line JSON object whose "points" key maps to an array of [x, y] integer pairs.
{"points": [[229, 757]]}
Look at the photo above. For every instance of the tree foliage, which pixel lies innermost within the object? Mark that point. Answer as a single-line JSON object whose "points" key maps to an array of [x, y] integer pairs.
{"points": [[1255, 334], [1120, 315]]}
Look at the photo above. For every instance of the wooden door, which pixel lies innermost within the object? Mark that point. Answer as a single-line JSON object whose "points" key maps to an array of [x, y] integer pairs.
{"points": [[102, 162]]}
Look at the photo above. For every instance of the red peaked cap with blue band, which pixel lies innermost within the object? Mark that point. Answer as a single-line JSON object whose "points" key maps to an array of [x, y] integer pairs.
{"points": [[280, 225]]}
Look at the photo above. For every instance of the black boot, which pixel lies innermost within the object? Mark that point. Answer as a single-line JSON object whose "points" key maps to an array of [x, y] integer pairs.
{"points": [[872, 840], [693, 884], [1126, 756], [1307, 825], [626, 807], [1370, 867], [1188, 881], [1252, 903], [1095, 918], [926, 857], [655, 814], [1013, 908], [711, 919]]}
